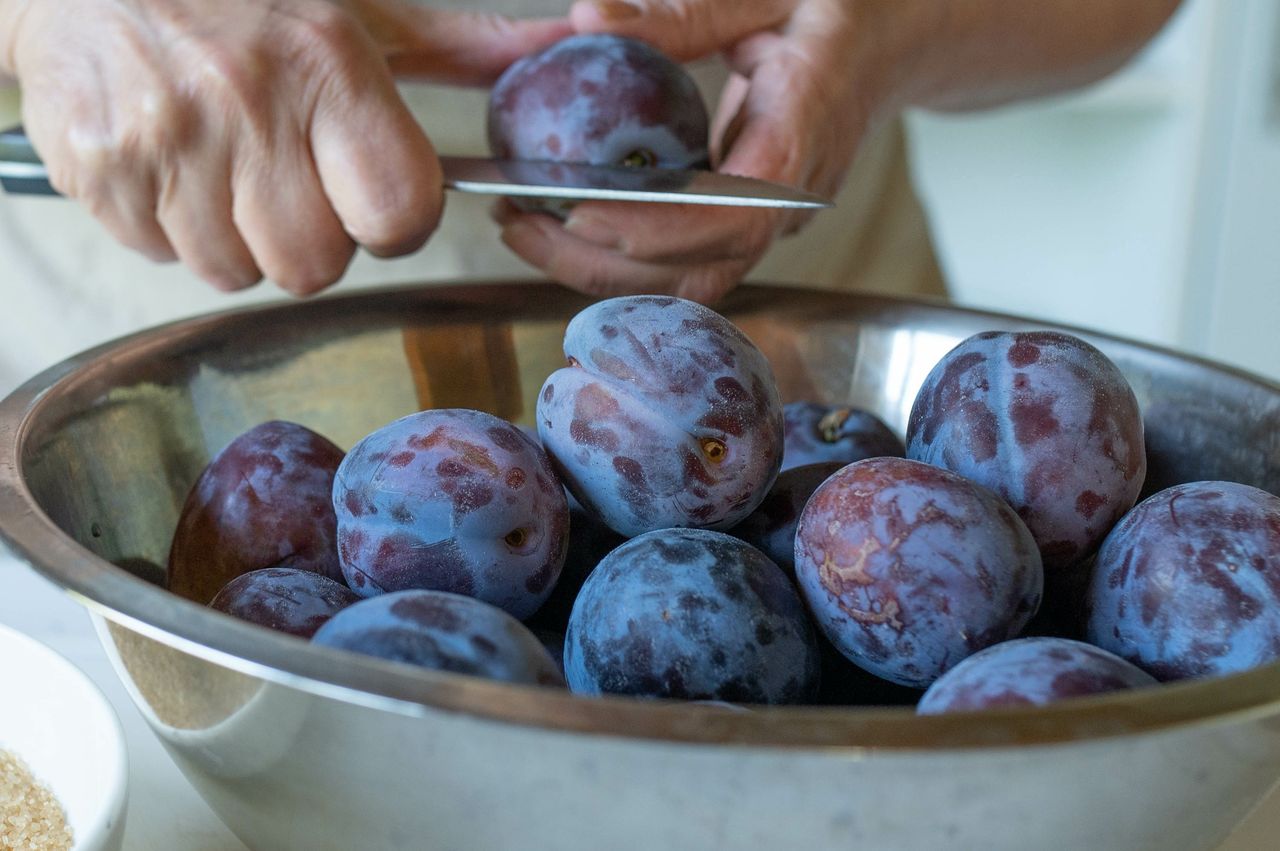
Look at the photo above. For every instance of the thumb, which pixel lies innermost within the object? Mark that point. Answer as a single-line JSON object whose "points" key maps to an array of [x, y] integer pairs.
{"points": [[462, 48], [683, 29]]}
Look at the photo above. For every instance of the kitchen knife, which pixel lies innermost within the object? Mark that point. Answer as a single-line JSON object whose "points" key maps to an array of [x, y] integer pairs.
{"points": [[22, 173]]}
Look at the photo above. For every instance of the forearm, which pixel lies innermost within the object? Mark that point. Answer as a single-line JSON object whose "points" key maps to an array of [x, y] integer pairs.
{"points": [[970, 54]]}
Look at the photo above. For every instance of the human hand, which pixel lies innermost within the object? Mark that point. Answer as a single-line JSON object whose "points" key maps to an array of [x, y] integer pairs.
{"points": [[248, 137], [794, 111]]}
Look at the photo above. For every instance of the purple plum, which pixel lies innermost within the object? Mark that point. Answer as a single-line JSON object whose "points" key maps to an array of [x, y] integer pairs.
{"points": [[452, 500], [1030, 672], [815, 433], [284, 599], [1046, 421], [445, 632], [263, 501], [909, 568], [599, 99], [695, 615], [667, 416], [1188, 583]]}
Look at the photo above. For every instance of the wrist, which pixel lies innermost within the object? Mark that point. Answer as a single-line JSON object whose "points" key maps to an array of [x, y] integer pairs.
{"points": [[893, 45]]}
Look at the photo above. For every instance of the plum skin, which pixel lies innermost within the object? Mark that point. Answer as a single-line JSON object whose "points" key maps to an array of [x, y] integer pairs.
{"points": [[284, 599], [1046, 421], [909, 568], [814, 433], [599, 99], [445, 632], [1188, 583], [264, 500], [694, 615], [452, 500], [667, 416], [1030, 672]]}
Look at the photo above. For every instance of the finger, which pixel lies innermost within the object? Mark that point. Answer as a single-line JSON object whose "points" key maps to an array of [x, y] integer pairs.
{"points": [[195, 211], [377, 167], [674, 233], [462, 48], [285, 218], [118, 190], [541, 242], [683, 29]]}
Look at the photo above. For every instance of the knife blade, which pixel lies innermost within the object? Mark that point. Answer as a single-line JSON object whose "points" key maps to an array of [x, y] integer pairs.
{"points": [[22, 173]]}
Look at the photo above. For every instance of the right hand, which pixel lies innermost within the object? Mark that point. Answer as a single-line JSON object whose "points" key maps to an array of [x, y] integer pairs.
{"points": [[248, 137]]}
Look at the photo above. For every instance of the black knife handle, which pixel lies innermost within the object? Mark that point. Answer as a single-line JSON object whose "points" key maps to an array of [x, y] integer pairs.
{"points": [[21, 170]]}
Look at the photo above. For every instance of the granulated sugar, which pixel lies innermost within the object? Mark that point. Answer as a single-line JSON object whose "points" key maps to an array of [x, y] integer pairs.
{"points": [[31, 818]]}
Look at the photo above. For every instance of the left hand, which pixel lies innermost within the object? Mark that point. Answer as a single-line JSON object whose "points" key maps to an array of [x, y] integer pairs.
{"points": [[794, 112]]}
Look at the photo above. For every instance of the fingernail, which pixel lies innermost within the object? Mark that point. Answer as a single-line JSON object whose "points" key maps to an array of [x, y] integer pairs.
{"points": [[527, 240], [617, 10], [593, 230]]}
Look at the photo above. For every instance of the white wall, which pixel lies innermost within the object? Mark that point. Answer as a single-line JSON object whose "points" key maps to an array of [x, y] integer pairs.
{"points": [[1148, 205]]}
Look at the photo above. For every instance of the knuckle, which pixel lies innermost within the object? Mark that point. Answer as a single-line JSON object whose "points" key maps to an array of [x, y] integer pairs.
{"points": [[310, 278], [398, 225], [326, 29]]}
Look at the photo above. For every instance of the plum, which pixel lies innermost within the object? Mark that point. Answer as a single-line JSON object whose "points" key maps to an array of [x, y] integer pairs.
{"points": [[1030, 672], [771, 528], [909, 568], [452, 500], [814, 433], [599, 99], [554, 643], [263, 501], [666, 416], [1046, 421], [1188, 583], [445, 632], [691, 614], [285, 599]]}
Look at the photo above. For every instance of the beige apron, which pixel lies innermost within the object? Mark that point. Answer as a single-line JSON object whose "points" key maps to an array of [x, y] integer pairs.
{"points": [[65, 285]]}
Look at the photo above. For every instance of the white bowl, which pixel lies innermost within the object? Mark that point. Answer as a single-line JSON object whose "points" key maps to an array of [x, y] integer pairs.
{"points": [[56, 720]]}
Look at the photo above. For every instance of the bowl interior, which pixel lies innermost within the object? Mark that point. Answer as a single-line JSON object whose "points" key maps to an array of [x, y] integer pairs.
{"points": [[58, 722], [109, 443]]}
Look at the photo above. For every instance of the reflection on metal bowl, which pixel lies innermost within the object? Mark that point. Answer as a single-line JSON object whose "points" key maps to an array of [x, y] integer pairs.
{"points": [[298, 746]]}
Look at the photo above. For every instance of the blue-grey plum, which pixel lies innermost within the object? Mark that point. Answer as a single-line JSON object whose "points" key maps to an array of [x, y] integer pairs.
{"points": [[814, 433], [445, 632], [1188, 583], [285, 599], [1046, 421], [666, 416], [262, 501], [771, 528], [691, 614], [452, 500], [1030, 672], [909, 568]]}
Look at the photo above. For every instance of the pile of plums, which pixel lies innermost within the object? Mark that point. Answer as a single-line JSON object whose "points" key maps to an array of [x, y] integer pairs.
{"points": [[670, 529]]}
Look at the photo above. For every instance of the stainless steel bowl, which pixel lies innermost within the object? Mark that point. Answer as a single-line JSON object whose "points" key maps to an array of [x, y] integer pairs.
{"points": [[298, 746]]}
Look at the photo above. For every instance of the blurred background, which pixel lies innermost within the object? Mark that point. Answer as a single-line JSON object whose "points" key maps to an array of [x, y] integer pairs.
{"points": [[1146, 206]]}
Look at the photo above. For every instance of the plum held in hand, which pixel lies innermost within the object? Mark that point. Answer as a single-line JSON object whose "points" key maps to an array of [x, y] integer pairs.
{"points": [[1047, 422], [1188, 583], [445, 632], [815, 433], [666, 416], [599, 99], [264, 500], [771, 528], [909, 568], [1030, 672], [284, 599], [452, 500], [691, 614]]}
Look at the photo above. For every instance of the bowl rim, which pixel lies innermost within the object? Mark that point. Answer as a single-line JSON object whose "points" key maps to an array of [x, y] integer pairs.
{"points": [[105, 820], [157, 614]]}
